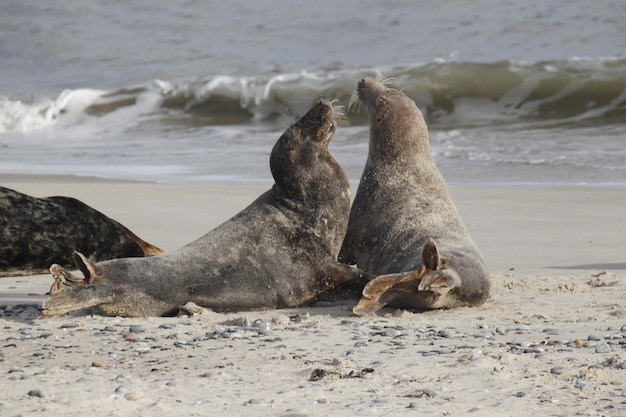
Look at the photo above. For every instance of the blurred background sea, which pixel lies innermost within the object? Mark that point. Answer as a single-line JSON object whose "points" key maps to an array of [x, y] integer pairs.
{"points": [[528, 93]]}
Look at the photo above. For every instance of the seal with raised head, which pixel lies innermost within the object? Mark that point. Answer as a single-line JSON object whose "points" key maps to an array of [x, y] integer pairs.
{"points": [[403, 224], [35, 232], [281, 251]]}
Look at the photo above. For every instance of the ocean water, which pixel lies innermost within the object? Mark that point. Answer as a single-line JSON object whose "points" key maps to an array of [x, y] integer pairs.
{"points": [[514, 93]]}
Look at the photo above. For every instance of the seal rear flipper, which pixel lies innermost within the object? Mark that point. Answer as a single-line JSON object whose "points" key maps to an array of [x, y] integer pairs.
{"points": [[367, 306], [73, 299], [63, 279], [88, 268], [431, 260], [440, 282], [147, 248], [382, 286], [435, 276], [65, 276]]}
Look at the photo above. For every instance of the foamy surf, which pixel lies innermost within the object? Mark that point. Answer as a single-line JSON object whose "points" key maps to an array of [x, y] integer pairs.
{"points": [[496, 122], [17, 115], [449, 93]]}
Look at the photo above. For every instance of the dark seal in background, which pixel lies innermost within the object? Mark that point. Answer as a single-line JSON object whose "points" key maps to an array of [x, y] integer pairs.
{"points": [[35, 232]]}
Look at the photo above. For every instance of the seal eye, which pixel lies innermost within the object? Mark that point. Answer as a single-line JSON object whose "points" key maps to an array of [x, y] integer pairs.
{"points": [[380, 102]]}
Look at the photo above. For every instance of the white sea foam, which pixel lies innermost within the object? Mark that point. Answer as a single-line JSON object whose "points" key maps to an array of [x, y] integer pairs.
{"points": [[26, 116]]}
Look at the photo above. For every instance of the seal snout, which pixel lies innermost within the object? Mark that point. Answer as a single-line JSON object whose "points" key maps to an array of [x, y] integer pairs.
{"points": [[368, 89], [326, 131], [361, 88], [321, 121]]}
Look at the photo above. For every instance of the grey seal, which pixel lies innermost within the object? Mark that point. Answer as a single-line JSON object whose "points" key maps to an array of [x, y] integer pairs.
{"points": [[281, 251], [404, 227], [35, 232]]}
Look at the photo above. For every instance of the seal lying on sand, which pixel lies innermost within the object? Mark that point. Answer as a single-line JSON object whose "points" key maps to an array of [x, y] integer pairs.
{"points": [[278, 252], [403, 222], [34, 232]]}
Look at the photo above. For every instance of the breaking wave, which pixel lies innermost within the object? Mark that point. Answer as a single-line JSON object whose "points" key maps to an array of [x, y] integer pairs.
{"points": [[451, 94]]}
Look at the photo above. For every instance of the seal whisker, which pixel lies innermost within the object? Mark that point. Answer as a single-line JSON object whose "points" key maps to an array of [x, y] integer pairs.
{"points": [[285, 118], [386, 81], [339, 114], [354, 102], [380, 78]]}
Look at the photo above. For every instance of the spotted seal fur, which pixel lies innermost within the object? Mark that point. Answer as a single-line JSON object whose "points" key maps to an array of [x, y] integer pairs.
{"points": [[35, 232]]}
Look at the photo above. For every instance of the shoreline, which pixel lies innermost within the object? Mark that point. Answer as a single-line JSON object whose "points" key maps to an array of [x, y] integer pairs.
{"points": [[267, 181]]}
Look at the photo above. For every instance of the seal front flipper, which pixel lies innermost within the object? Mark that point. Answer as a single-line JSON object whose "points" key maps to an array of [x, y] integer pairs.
{"points": [[440, 282], [435, 276]]}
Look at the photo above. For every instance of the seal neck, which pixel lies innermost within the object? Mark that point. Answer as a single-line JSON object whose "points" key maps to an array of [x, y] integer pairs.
{"points": [[413, 147]]}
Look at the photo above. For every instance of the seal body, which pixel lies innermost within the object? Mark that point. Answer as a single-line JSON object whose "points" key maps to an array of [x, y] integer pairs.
{"points": [[403, 219], [34, 232], [280, 251]]}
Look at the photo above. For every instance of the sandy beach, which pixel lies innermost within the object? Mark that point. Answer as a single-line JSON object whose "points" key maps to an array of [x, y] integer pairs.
{"points": [[551, 341]]}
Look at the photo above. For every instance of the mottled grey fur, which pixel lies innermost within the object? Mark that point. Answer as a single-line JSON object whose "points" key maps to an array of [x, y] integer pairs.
{"points": [[402, 201], [34, 232], [278, 252]]}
